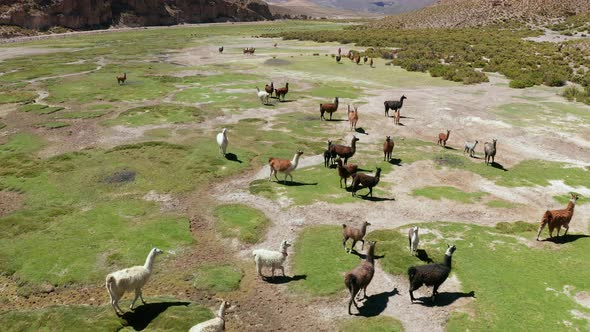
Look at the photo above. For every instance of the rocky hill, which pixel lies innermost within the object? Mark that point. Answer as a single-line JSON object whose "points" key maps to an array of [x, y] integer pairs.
{"points": [[87, 14], [463, 13], [376, 6]]}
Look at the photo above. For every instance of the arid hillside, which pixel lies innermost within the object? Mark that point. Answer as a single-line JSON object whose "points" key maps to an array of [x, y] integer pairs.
{"points": [[462, 13], [84, 14]]}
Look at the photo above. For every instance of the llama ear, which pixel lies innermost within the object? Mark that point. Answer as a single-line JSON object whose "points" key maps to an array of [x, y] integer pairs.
{"points": [[448, 246]]}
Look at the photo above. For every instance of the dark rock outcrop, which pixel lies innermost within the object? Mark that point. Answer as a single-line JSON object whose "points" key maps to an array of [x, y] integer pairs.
{"points": [[88, 14]]}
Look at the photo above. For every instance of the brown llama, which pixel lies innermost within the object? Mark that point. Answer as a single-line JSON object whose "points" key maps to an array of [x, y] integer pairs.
{"points": [[558, 218], [353, 117], [396, 116], [121, 79], [345, 171], [283, 166], [366, 181], [388, 148], [269, 89], [442, 138], [356, 234], [344, 151], [282, 91], [330, 108], [358, 60], [360, 277]]}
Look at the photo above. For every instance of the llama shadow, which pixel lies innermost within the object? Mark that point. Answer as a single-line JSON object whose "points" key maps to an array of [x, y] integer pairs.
{"points": [[364, 256], [395, 161], [365, 170], [361, 131], [566, 238], [337, 120], [278, 280], [406, 117], [401, 124], [296, 184], [375, 199], [449, 148], [143, 315], [376, 304], [333, 166], [268, 104], [498, 166], [444, 299], [422, 255], [287, 101], [232, 157]]}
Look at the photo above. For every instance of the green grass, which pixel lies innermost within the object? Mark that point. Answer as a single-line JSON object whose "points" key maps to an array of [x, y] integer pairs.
{"points": [[82, 115], [241, 221], [372, 324], [501, 204], [17, 97], [157, 114], [2, 125], [526, 173], [40, 109], [52, 125], [450, 193], [176, 316], [319, 256], [218, 278], [517, 286]]}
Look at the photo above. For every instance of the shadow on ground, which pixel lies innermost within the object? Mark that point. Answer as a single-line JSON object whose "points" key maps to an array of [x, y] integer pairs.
{"points": [[143, 315]]}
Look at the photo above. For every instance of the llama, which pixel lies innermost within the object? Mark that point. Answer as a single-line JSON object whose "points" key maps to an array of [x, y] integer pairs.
{"points": [[490, 151], [122, 78], [371, 63], [345, 171], [365, 59], [396, 117], [360, 277], [357, 235], [470, 147], [329, 155], [216, 324], [413, 238], [283, 166], [249, 50], [330, 108], [271, 258], [558, 218], [338, 58], [221, 50], [343, 151], [431, 274], [388, 148], [130, 279], [263, 95], [353, 117], [394, 105], [282, 91], [339, 51], [269, 88], [358, 60], [366, 180], [222, 141], [442, 138]]}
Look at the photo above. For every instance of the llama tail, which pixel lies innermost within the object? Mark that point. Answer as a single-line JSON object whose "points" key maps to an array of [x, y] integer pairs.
{"points": [[109, 284], [270, 159], [547, 217], [257, 89], [349, 281], [343, 225], [411, 272]]}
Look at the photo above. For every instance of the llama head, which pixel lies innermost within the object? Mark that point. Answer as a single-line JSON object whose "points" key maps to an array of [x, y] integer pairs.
{"points": [[378, 170], [285, 244], [574, 198], [157, 251], [366, 223], [354, 138], [299, 153], [450, 250], [415, 229], [403, 97], [224, 130], [339, 162]]}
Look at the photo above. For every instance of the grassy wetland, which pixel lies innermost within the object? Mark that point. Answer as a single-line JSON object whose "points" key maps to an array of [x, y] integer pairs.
{"points": [[93, 174]]}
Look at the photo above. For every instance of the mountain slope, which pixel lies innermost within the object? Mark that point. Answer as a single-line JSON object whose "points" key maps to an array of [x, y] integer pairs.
{"points": [[295, 8], [83, 14], [369, 6], [462, 13]]}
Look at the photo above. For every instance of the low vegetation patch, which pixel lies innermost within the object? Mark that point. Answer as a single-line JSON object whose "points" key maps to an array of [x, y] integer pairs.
{"points": [[371, 324], [52, 125], [451, 193], [157, 315], [218, 278], [319, 256], [40, 109], [241, 221], [82, 115], [157, 114]]}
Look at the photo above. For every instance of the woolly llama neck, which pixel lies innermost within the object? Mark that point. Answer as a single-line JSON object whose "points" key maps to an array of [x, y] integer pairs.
{"points": [[295, 160], [149, 262], [284, 246], [371, 252], [449, 255], [221, 312]]}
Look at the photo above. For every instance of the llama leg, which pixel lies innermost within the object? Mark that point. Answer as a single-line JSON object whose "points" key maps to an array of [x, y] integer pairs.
{"points": [[259, 269], [282, 270], [344, 243], [434, 292], [412, 294], [134, 299], [558, 230], [365, 291], [352, 248], [363, 246], [141, 296], [273, 272], [550, 231], [567, 228], [540, 230], [276, 176]]}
